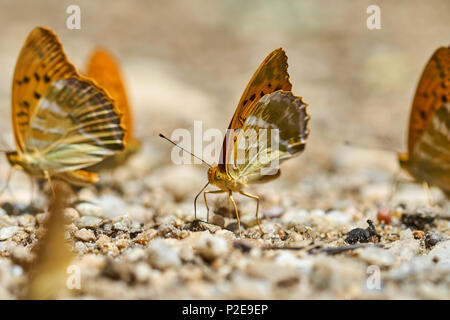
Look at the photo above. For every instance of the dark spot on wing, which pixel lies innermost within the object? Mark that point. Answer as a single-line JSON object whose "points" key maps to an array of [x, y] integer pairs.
{"points": [[244, 102], [253, 97], [46, 79], [26, 80], [444, 98], [261, 94], [36, 76], [37, 95], [26, 104], [422, 114], [269, 85]]}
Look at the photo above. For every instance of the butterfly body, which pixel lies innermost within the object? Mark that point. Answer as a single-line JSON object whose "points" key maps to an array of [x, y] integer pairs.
{"points": [[428, 156], [226, 183], [62, 121]]}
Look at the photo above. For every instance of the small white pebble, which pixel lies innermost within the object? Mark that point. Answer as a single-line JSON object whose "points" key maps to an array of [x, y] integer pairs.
{"points": [[8, 232], [211, 247]]}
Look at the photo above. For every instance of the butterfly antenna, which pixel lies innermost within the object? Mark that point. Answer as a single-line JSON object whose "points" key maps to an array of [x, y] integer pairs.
{"points": [[195, 200], [164, 137]]}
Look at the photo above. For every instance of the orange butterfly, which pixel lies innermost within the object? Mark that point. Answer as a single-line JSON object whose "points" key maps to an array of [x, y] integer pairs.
{"points": [[428, 156], [62, 121], [104, 69], [269, 124]]}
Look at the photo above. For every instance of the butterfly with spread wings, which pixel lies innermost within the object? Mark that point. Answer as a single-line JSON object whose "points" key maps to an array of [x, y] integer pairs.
{"points": [[428, 156], [268, 127], [63, 122]]}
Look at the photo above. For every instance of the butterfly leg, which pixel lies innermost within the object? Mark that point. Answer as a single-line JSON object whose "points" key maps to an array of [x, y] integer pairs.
{"points": [[257, 207], [230, 195], [394, 186], [206, 202], [428, 191]]}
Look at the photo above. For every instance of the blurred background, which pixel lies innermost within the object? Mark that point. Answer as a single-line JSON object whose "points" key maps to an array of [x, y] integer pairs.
{"points": [[191, 60]]}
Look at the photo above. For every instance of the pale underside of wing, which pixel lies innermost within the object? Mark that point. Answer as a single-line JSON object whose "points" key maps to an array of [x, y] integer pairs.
{"points": [[430, 159], [275, 131], [74, 126]]}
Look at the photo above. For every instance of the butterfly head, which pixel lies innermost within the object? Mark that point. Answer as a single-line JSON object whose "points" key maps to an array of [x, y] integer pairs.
{"points": [[218, 177], [403, 160], [214, 175], [13, 158]]}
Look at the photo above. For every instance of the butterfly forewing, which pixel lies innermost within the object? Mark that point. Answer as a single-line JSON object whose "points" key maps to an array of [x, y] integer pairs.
{"points": [[432, 92], [41, 61], [273, 132], [271, 76]]}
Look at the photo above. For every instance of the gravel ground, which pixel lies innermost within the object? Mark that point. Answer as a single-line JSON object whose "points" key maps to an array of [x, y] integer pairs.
{"points": [[133, 234]]}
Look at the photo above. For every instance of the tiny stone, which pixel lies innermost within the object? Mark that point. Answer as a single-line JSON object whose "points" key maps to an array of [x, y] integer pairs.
{"points": [[71, 214], [8, 232], [85, 235], [135, 254], [431, 239], [122, 243], [210, 247], [26, 220], [106, 245], [218, 220], [162, 256], [41, 217], [146, 236], [89, 222], [80, 247], [384, 215], [89, 209], [418, 234]]}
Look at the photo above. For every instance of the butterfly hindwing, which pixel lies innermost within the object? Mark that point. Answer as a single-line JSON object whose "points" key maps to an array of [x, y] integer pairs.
{"points": [[75, 125], [273, 132], [431, 154]]}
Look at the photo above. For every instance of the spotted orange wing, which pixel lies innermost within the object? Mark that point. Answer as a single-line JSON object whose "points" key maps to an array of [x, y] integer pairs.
{"points": [[62, 121], [432, 92], [271, 76], [41, 61], [428, 158]]}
